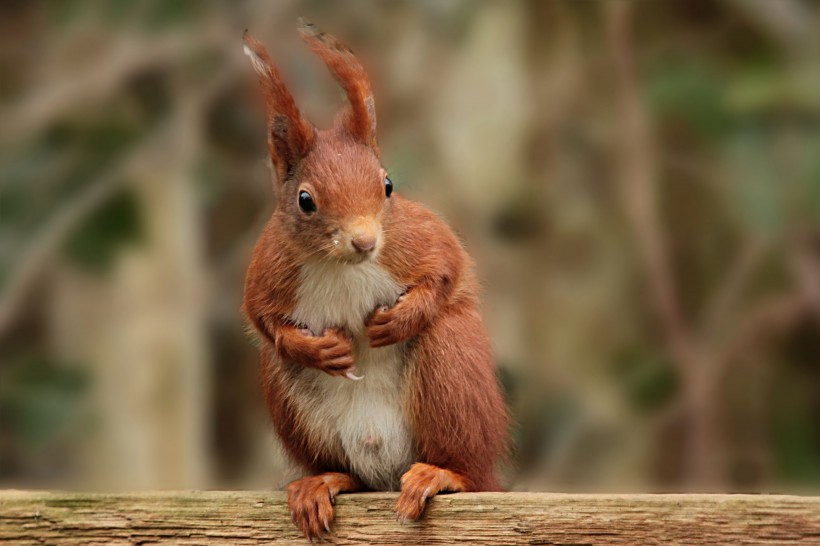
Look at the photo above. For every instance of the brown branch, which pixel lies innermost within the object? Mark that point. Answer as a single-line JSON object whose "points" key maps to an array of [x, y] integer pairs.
{"points": [[254, 518], [103, 77], [731, 289], [776, 315], [787, 22], [126, 53], [769, 320], [806, 266], [638, 184]]}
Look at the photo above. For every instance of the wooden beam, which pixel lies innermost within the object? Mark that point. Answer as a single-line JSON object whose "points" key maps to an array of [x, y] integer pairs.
{"points": [[251, 518]]}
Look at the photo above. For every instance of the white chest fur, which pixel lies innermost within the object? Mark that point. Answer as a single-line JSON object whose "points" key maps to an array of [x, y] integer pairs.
{"points": [[365, 417]]}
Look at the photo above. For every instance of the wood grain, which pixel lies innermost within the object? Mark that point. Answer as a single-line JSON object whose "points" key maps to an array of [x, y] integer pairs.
{"points": [[251, 518]]}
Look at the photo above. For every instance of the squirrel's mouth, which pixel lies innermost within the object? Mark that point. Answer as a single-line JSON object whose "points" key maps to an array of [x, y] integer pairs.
{"points": [[357, 258]]}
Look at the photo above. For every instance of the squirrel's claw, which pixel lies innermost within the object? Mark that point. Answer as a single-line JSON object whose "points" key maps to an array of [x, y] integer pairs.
{"points": [[353, 377]]}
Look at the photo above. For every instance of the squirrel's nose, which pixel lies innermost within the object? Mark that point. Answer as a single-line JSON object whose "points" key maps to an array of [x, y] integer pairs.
{"points": [[363, 243]]}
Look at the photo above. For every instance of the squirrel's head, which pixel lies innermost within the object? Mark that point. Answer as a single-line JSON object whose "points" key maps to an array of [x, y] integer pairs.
{"points": [[332, 192]]}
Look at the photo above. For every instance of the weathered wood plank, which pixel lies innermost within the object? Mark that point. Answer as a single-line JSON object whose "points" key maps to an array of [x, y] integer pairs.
{"points": [[251, 518]]}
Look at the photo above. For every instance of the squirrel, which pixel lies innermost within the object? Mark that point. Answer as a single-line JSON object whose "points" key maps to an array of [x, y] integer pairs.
{"points": [[376, 366]]}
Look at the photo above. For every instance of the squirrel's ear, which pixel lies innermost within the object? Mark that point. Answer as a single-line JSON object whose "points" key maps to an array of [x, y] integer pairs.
{"points": [[290, 136], [360, 118]]}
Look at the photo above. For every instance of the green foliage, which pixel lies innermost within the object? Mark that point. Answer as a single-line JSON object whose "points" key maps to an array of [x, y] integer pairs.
{"points": [[162, 14], [95, 242], [646, 380], [154, 14], [65, 11], [774, 173], [807, 172], [763, 124], [795, 432], [755, 191], [39, 399], [769, 87], [53, 167], [690, 93], [40, 179]]}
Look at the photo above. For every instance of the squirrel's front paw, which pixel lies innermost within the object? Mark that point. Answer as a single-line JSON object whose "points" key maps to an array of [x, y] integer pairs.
{"points": [[422, 482], [331, 352], [311, 500], [389, 325]]}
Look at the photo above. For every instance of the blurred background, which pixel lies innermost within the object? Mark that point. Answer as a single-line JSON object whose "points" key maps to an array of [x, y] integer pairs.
{"points": [[638, 181]]}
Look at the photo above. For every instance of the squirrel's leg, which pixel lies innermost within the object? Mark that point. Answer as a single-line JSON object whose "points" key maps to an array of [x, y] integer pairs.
{"points": [[457, 412], [311, 500]]}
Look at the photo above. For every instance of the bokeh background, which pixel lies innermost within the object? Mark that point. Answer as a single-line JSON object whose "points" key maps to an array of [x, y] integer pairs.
{"points": [[638, 181]]}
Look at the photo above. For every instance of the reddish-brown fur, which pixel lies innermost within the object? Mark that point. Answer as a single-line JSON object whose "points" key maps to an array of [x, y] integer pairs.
{"points": [[311, 500], [451, 395]]}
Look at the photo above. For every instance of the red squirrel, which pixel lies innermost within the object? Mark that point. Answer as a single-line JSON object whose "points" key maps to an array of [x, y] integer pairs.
{"points": [[376, 367]]}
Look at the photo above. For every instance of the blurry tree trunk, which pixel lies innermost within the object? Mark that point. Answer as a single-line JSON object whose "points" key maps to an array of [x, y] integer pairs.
{"points": [[476, 152], [704, 454], [150, 362]]}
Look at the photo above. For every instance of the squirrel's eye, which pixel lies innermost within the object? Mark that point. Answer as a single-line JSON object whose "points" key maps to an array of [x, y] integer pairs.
{"points": [[388, 186], [306, 202]]}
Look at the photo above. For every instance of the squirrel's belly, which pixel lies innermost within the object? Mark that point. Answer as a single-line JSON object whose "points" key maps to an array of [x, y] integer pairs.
{"points": [[365, 419]]}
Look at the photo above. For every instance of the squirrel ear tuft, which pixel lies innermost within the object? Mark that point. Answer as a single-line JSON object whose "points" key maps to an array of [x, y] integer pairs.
{"points": [[360, 118], [290, 135]]}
